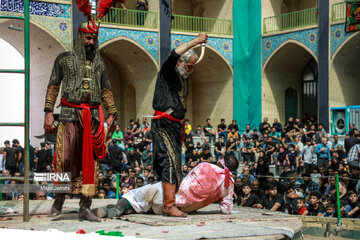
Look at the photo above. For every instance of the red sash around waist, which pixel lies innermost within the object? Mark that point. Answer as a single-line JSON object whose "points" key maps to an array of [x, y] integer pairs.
{"points": [[159, 115], [91, 143]]}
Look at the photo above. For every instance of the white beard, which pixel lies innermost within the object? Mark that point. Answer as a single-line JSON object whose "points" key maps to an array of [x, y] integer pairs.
{"points": [[182, 71]]}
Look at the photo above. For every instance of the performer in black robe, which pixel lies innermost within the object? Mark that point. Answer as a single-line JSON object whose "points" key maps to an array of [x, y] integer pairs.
{"points": [[169, 103]]}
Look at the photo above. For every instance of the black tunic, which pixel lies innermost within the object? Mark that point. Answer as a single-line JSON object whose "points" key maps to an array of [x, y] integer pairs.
{"points": [[171, 90]]}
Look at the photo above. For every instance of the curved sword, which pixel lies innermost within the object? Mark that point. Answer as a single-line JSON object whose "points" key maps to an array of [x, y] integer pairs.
{"points": [[203, 46]]}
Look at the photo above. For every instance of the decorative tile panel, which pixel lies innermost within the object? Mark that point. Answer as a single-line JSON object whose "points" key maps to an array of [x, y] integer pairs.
{"points": [[149, 40], [37, 8], [338, 36], [223, 45], [307, 37]]}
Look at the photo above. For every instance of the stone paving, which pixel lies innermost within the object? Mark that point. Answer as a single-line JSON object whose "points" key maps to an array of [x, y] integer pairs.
{"points": [[206, 223]]}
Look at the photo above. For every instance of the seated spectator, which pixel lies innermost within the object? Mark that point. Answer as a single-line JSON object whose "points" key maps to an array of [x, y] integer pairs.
{"points": [[290, 130], [151, 179], [261, 168], [187, 127], [147, 157], [273, 200], [102, 194], [118, 135], [198, 148], [139, 182], [248, 151], [206, 144], [315, 175], [206, 156], [198, 132], [276, 136], [330, 211], [237, 189], [219, 149], [315, 208], [310, 185], [133, 159], [257, 136], [231, 146], [325, 200], [277, 125], [248, 133], [209, 131], [233, 134], [300, 202], [344, 195], [255, 185], [233, 125], [290, 199], [291, 158], [352, 210], [146, 128], [126, 179], [222, 132], [264, 125], [247, 198], [129, 137]]}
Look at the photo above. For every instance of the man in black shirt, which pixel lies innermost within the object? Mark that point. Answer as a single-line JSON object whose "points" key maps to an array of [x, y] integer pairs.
{"points": [[219, 149], [233, 125], [44, 157], [115, 156], [9, 158], [222, 130], [170, 105], [206, 155], [19, 153]]}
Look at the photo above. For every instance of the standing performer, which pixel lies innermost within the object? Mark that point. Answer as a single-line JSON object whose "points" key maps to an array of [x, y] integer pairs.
{"points": [[80, 134], [169, 103]]}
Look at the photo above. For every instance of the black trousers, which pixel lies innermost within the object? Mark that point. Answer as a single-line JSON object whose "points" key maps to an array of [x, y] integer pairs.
{"points": [[167, 150]]}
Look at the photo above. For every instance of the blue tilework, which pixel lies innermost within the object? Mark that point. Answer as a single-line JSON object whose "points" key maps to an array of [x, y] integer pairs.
{"points": [[149, 40], [338, 36], [222, 45], [307, 37], [37, 8]]}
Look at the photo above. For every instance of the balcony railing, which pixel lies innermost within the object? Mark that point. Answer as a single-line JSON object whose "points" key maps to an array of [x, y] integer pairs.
{"points": [[338, 11], [201, 24], [131, 18], [291, 20]]}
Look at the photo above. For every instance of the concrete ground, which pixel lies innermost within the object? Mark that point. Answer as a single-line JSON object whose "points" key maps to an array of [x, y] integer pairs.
{"points": [[243, 223]]}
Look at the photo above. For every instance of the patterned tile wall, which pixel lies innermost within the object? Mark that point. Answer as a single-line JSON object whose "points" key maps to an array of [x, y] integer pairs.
{"points": [[37, 8], [55, 18], [149, 40], [338, 36], [307, 37], [223, 45]]}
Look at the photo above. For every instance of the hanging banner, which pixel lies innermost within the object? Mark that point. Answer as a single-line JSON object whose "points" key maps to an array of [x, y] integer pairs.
{"points": [[352, 17]]}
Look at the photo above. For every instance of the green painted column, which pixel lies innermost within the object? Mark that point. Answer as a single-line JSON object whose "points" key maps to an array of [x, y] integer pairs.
{"points": [[247, 62]]}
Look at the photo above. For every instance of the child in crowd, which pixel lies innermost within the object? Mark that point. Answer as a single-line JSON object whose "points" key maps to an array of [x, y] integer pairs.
{"points": [[352, 210], [291, 158], [198, 132], [315, 175], [325, 200], [247, 198], [315, 208], [330, 210], [300, 202], [273, 200]]}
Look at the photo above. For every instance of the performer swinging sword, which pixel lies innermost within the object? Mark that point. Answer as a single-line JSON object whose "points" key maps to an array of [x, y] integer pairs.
{"points": [[80, 136], [169, 103]]}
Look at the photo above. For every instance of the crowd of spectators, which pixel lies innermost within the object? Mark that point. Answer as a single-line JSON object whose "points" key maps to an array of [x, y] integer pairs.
{"points": [[304, 160]]}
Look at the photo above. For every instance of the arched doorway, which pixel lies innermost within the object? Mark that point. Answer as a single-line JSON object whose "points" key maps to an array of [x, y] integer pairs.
{"points": [[291, 103], [310, 89], [344, 77], [210, 90], [279, 77], [132, 72], [44, 49]]}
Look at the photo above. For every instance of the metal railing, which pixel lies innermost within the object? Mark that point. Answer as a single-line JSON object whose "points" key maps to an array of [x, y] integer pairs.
{"points": [[131, 18], [202, 24], [338, 11], [291, 20], [25, 124]]}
